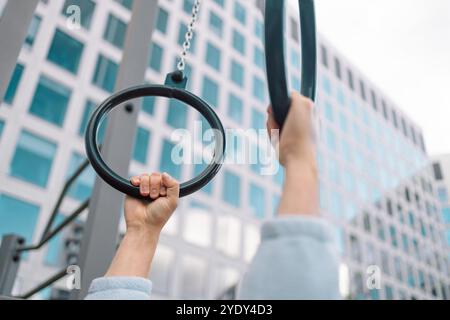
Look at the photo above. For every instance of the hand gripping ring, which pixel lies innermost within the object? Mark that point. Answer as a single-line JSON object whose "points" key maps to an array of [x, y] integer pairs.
{"points": [[274, 47], [123, 185]]}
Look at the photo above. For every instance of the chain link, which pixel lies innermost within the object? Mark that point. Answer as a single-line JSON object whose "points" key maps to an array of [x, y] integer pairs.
{"points": [[189, 35]]}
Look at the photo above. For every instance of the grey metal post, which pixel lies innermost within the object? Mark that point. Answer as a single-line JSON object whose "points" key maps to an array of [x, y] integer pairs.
{"points": [[100, 234], [14, 23], [9, 262]]}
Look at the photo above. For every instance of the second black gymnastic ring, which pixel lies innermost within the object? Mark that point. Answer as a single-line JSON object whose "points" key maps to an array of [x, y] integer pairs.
{"points": [[275, 64], [123, 185]]}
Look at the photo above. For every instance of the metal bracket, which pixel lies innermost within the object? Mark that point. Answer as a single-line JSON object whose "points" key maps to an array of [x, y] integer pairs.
{"points": [[176, 79]]}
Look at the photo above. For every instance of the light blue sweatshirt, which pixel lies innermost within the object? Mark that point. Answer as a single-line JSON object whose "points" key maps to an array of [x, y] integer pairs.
{"points": [[297, 259]]}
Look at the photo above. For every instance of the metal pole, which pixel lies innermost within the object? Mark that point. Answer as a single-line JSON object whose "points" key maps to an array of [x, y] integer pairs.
{"points": [[100, 235], [14, 24], [9, 262]]}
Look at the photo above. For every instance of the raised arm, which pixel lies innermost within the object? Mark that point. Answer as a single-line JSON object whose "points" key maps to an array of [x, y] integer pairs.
{"points": [[297, 257], [127, 276]]}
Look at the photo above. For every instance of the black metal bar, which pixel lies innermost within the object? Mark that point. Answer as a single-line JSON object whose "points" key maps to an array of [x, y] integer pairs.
{"points": [[55, 231], [61, 274], [62, 195]]}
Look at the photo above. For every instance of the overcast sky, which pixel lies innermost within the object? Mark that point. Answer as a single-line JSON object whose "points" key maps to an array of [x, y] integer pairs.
{"points": [[403, 46]]}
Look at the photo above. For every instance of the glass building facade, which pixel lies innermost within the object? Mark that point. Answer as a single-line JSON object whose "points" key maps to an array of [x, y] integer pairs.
{"points": [[370, 152]]}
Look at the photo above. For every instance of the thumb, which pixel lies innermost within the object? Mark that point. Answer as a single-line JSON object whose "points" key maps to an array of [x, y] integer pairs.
{"points": [[172, 185]]}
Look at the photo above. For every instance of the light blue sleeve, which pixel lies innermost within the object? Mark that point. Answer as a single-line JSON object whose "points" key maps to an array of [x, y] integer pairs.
{"points": [[297, 259], [120, 288]]}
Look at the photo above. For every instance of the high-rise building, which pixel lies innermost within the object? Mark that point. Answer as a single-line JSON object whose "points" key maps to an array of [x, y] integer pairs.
{"points": [[441, 170], [368, 148]]}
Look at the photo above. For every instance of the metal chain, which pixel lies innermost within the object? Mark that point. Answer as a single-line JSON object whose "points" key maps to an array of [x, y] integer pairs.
{"points": [[188, 36]]}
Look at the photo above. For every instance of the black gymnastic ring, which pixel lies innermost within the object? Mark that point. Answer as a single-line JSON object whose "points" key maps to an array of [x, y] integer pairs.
{"points": [[274, 47], [123, 185]]}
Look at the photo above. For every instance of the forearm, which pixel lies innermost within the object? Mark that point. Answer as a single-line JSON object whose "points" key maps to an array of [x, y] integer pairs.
{"points": [[135, 254], [300, 192]]}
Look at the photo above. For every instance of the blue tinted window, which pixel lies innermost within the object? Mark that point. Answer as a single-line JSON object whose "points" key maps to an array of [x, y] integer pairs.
{"points": [[295, 59], [215, 23], [162, 20], [239, 13], [213, 56], [238, 41], [258, 58], [348, 155], [341, 97], [177, 114], [411, 278], [105, 73], [231, 191], [88, 109], [82, 187], [443, 195], [197, 170], [343, 122], [393, 234], [235, 108], [349, 181], [148, 105], [50, 101], [389, 292], [326, 85], [141, 145], [336, 204], [257, 200], [126, 3], [17, 217], [166, 163], [220, 2], [237, 73], [295, 83], [33, 30], [33, 152], [210, 91], [258, 119], [14, 84], [331, 139], [87, 8], [2, 125], [329, 111], [333, 171], [259, 89], [188, 5], [65, 51], [446, 214], [255, 159], [156, 55], [353, 107], [55, 246], [115, 31], [374, 294], [259, 29]]}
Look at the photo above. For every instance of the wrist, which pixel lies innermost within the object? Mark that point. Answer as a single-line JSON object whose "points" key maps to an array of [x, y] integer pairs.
{"points": [[143, 232], [301, 164]]}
